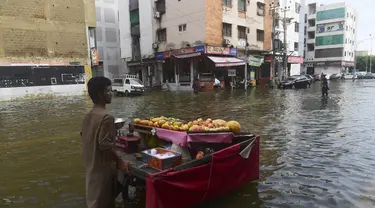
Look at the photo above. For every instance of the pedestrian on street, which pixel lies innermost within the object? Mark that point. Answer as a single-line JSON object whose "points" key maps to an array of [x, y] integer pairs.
{"points": [[98, 147], [324, 84], [196, 85]]}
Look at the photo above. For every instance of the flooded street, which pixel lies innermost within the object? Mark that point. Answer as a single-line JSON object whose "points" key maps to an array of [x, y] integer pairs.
{"points": [[315, 152]]}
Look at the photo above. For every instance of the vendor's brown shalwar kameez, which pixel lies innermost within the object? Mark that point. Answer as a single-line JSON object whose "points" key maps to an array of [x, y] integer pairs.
{"points": [[98, 136]]}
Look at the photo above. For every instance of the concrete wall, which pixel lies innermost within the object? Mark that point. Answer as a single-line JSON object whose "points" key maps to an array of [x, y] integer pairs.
{"points": [[124, 25], [108, 37], [45, 30], [56, 90], [267, 25], [250, 20], [213, 22], [192, 13], [146, 16]]}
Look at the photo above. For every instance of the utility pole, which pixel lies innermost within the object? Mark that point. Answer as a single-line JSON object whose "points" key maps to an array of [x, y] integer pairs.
{"points": [[285, 27], [246, 62], [273, 8]]}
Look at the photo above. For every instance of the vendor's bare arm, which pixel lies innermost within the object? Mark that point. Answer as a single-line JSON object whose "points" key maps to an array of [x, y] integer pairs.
{"points": [[107, 141]]}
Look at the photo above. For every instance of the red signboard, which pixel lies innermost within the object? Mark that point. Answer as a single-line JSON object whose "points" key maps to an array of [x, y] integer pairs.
{"points": [[295, 59]]}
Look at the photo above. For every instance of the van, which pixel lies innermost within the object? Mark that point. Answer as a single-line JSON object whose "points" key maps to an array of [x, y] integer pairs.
{"points": [[128, 85]]}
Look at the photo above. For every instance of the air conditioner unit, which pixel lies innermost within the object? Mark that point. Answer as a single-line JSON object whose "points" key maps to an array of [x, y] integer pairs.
{"points": [[157, 15]]}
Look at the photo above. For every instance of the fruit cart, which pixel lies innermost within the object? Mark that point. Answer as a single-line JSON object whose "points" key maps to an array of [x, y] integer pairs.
{"points": [[230, 160]]}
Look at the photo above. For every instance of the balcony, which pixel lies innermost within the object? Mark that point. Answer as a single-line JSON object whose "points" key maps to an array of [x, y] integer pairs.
{"points": [[133, 5], [135, 30]]}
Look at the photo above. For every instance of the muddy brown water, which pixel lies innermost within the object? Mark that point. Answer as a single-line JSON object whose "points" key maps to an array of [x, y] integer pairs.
{"points": [[314, 152]]}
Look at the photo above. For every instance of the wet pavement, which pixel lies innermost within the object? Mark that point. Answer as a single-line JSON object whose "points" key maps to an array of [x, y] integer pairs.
{"points": [[315, 152]]}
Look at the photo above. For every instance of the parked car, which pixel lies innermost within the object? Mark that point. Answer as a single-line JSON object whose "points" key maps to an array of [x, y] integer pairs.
{"points": [[334, 77], [297, 81], [311, 78], [316, 77], [127, 86]]}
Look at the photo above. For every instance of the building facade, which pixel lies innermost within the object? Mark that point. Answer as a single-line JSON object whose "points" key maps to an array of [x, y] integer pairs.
{"points": [[293, 11], [45, 43], [330, 34], [164, 37], [108, 39]]}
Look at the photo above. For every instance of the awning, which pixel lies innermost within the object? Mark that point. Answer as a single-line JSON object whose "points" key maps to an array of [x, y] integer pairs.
{"points": [[188, 55], [226, 61]]}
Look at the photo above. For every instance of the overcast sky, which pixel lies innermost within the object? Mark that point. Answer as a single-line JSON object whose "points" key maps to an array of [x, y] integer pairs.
{"points": [[366, 19]]}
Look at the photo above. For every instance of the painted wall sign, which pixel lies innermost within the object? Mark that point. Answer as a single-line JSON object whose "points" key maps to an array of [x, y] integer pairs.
{"points": [[330, 27]]}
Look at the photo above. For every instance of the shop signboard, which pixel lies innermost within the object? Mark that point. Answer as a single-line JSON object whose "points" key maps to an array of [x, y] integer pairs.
{"points": [[94, 57], [231, 72], [167, 54], [255, 61], [221, 50], [330, 27]]}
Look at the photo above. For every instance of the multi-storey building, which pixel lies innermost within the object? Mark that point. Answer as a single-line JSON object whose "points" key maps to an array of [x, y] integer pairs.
{"points": [[171, 41], [292, 13], [330, 34], [108, 40], [45, 46]]}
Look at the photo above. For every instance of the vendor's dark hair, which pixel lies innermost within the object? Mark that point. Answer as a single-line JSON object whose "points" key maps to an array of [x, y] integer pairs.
{"points": [[97, 85]]}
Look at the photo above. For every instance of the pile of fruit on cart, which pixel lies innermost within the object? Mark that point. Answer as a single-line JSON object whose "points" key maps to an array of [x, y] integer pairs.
{"points": [[198, 125]]}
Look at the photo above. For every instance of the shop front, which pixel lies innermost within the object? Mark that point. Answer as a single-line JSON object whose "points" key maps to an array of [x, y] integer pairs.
{"points": [[179, 67]]}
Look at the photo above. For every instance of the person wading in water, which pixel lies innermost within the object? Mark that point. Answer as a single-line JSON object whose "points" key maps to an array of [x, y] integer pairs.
{"points": [[98, 147], [196, 85], [324, 85]]}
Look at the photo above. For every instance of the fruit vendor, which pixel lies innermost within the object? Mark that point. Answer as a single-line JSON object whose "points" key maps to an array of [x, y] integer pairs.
{"points": [[98, 143]]}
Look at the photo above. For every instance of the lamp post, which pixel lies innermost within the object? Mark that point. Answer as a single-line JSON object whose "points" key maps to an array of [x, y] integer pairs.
{"points": [[371, 55]]}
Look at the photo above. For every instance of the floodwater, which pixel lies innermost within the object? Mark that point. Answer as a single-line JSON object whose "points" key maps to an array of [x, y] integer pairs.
{"points": [[315, 152]]}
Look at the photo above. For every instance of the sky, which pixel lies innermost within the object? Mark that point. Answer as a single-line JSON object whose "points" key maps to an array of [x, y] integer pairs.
{"points": [[366, 19]]}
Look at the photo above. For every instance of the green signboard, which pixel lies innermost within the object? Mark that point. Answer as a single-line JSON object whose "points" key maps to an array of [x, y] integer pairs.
{"points": [[255, 61]]}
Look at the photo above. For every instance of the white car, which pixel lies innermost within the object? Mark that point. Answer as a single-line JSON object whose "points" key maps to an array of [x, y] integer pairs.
{"points": [[127, 86]]}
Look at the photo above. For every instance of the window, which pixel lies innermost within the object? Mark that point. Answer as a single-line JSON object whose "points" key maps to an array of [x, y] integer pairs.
{"points": [[295, 46], [227, 3], [260, 35], [305, 18], [242, 5], [298, 8], [241, 32], [304, 40], [345, 53], [182, 28], [127, 81], [346, 28], [296, 27], [329, 52], [305, 30], [353, 31], [346, 40], [227, 30], [260, 9], [162, 35]]}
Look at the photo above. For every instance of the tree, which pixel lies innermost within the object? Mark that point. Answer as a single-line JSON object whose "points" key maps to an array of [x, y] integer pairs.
{"points": [[361, 63]]}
